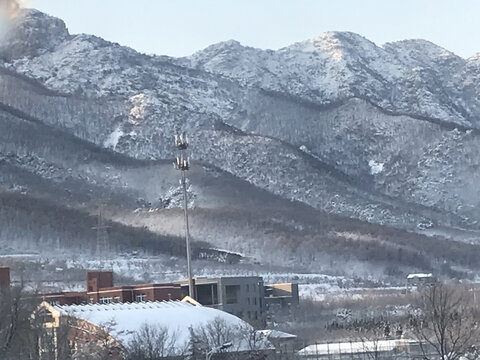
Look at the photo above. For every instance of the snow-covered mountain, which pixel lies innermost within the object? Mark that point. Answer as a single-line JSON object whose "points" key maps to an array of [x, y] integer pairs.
{"points": [[333, 125]]}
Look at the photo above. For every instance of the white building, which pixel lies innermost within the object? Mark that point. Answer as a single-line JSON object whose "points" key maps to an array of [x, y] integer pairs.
{"points": [[378, 349], [122, 321]]}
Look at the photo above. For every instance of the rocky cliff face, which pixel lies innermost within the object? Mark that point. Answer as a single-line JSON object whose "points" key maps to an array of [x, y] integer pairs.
{"points": [[388, 135]]}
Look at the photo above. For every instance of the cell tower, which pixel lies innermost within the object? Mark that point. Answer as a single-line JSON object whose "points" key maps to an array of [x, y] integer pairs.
{"points": [[183, 164]]}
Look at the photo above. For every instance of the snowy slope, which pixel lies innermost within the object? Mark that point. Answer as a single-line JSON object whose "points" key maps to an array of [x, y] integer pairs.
{"points": [[385, 134]]}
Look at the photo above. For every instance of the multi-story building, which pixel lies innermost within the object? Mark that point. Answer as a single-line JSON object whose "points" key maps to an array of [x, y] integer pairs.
{"points": [[280, 301], [281, 296], [244, 296], [100, 289], [240, 296]]}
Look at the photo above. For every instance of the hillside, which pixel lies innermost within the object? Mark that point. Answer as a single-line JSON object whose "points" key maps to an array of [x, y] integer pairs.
{"points": [[332, 154]]}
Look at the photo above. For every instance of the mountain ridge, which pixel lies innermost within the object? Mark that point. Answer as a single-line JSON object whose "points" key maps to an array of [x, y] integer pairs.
{"points": [[384, 135]]}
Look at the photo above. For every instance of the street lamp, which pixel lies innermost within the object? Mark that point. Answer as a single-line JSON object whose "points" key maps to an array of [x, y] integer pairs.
{"points": [[183, 164], [225, 346]]}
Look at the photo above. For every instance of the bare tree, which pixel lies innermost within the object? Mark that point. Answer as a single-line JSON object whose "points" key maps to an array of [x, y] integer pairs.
{"points": [[73, 339], [370, 338], [213, 335], [255, 342], [227, 341], [447, 323], [17, 338], [154, 342]]}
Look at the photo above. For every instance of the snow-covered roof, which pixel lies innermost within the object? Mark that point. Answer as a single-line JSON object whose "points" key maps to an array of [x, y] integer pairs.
{"points": [[124, 319], [354, 347], [276, 334], [417, 276]]}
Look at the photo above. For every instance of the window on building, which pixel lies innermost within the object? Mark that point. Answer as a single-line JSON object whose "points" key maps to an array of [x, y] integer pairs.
{"points": [[248, 301], [105, 300], [141, 298], [207, 294], [91, 300], [256, 315], [248, 287], [116, 299], [254, 301], [45, 316], [169, 296], [231, 293]]}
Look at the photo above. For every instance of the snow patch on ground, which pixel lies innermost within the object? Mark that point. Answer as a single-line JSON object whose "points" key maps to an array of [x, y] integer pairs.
{"points": [[113, 138], [375, 167], [139, 105]]}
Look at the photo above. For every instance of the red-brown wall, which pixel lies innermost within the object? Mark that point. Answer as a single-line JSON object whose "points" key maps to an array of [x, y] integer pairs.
{"points": [[99, 279], [100, 285], [4, 276]]}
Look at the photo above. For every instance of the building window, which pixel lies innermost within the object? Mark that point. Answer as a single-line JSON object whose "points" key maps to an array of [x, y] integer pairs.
{"points": [[105, 300], [116, 299], [248, 288], [169, 296], [141, 298], [248, 300], [232, 292], [254, 301], [91, 300]]}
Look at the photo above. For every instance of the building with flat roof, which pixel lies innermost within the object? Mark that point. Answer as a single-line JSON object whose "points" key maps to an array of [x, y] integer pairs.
{"points": [[420, 280], [100, 289], [280, 301], [242, 296], [386, 349]]}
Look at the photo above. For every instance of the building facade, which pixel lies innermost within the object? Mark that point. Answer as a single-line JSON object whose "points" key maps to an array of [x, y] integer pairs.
{"points": [[281, 300], [242, 296], [100, 289], [84, 326]]}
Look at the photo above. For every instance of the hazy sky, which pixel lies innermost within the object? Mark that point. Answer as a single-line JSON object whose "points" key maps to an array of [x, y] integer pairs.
{"points": [[181, 27]]}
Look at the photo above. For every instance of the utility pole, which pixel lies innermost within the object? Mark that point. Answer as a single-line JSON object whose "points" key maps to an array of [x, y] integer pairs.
{"points": [[183, 164]]}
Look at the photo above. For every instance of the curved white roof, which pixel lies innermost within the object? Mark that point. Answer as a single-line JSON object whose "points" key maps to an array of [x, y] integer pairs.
{"points": [[124, 319]]}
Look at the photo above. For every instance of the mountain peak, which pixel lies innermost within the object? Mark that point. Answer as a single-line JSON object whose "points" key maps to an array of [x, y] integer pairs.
{"points": [[223, 46], [32, 33], [334, 43]]}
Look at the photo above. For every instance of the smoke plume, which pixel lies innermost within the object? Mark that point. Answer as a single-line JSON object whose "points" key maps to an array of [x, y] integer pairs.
{"points": [[9, 9]]}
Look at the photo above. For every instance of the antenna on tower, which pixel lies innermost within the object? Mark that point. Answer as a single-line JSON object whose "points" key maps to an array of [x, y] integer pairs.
{"points": [[182, 163]]}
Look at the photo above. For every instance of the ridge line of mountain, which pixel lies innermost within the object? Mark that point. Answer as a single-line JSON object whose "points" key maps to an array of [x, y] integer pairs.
{"points": [[449, 125]]}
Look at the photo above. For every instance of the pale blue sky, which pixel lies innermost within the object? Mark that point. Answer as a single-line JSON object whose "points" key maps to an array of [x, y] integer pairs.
{"points": [[181, 27]]}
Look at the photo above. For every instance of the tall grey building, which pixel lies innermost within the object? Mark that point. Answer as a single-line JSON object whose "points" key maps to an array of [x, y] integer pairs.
{"points": [[240, 296]]}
